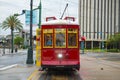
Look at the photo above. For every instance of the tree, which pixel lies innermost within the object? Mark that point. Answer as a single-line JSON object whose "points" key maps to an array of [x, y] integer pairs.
{"points": [[18, 41], [12, 23], [114, 41], [117, 37]]}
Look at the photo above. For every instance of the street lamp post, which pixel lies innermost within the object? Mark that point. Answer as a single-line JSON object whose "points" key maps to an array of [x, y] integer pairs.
{"points": [[39, 7], [30, 49]]}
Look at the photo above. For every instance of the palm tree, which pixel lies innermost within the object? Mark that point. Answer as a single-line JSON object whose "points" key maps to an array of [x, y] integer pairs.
{"points": [[13, 23]]}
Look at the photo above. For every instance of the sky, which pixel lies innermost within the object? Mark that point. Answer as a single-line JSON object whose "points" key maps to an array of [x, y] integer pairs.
{"points": [[49, 8]]}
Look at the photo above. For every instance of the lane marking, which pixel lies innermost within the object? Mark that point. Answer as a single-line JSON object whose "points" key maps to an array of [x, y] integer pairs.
{"points": [[33, 75], [8, 67]]}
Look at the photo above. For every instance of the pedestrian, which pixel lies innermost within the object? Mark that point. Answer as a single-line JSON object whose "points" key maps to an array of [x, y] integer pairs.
{"points": [[16, 49]]}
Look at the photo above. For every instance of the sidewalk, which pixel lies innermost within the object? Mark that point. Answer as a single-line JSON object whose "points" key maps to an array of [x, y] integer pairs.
{"points": [[17, 71]]}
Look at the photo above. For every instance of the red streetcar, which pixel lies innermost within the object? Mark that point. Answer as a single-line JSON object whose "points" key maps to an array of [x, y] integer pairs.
{"points": [[60, 44]]}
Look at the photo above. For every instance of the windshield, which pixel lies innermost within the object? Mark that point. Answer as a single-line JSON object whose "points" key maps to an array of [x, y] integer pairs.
{"points": [[60, 37]]}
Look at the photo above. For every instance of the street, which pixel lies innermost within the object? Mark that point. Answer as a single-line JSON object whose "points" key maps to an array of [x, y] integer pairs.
{"points": [[94, 66], [60, 40], [13, 66], [13, 58]]}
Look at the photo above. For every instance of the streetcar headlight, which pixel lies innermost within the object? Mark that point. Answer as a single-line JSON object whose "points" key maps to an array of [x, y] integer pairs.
{"points": [[60, 55]]}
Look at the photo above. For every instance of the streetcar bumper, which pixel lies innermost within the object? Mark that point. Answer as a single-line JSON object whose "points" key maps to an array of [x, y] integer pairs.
{"points": [[60, 65]]}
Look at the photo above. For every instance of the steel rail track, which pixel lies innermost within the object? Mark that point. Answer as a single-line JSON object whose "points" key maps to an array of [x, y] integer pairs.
{"points": [[60, 75]]}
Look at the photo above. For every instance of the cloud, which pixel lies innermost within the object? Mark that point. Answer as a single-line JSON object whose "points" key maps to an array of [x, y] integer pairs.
{"points": [[49, 8], [7, 4], [56, 8]]}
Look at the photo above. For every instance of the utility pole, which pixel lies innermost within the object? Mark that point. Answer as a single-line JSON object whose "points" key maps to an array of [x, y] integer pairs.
{"points": [[30, 49], [40, 9]]}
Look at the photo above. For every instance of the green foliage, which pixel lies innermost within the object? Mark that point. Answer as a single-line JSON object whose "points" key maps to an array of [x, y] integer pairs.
{"points": [[112, 50], [24, 47], [18, 41], [12, 22], [114, 41]]}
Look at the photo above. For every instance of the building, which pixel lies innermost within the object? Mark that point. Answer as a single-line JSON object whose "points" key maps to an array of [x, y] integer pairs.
{"points": [[98, 20]]}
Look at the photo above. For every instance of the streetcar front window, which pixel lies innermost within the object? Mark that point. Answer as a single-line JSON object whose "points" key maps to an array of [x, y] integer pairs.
{"points": [[72, 38], [60, 38], [48, 38]]}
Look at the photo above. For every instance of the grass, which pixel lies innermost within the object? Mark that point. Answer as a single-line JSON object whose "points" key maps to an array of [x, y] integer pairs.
{"points": [[101, 50], [95, 50]]}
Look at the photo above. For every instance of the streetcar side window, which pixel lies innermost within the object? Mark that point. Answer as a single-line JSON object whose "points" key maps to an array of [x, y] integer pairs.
{"points": [[60, 38], [72, 38], [48, 38]]}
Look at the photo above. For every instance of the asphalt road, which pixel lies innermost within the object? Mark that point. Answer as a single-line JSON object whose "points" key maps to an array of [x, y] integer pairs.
{"points": [[94, 66], [98, 68], [14, 58], [11, 59], [115, 57]]}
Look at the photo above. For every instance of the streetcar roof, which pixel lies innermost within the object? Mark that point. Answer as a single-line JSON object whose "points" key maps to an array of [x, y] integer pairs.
{"points": [[59, 22]]}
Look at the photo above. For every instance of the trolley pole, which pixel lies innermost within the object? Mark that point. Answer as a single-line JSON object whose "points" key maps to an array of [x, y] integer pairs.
{"points": [[64, 11], [30, 49]]}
